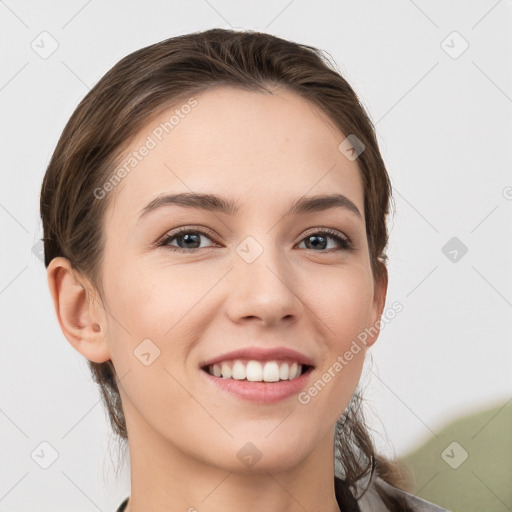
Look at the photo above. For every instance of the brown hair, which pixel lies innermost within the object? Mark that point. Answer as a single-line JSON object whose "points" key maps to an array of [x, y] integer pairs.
{"points": [[142, 85]]}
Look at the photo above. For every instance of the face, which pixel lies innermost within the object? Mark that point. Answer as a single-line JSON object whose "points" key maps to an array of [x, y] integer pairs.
{"points": [[261, 278]]}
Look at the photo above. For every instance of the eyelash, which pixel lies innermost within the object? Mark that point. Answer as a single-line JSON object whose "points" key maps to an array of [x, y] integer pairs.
{"points": [[344, 242]]}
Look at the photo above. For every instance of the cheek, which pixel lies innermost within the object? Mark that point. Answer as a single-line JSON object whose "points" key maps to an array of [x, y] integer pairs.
{"points": [[343, 299], [151, 331], [155, 316], [150, 299]]}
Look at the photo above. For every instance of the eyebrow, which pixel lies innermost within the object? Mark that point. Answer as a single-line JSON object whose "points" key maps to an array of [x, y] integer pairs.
{"points": [[213, 203]]}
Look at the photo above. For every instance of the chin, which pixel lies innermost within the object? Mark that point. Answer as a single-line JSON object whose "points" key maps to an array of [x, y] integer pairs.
{"points": [[261, 457]]}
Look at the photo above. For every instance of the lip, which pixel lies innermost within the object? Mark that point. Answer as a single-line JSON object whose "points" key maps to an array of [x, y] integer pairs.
{"points": [[261, 354], [260, 392]]}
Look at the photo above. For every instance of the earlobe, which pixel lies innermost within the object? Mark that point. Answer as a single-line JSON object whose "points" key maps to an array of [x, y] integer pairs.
{"points": [[76, 314]]}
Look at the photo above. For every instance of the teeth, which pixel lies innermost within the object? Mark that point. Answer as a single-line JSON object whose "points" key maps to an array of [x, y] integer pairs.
{"points": [[238, 371], [256, 371], [271, 372], [284, 371], [226, 371]]}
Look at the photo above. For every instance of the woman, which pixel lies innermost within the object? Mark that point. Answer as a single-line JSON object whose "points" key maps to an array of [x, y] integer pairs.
{"points": [[214, 223]]}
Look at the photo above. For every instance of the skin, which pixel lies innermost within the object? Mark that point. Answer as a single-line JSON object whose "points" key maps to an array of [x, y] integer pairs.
{"points": [[263, 151]]}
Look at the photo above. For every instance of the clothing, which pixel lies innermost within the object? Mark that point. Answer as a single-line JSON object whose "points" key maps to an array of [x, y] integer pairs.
{"points": [[123, 505], [370, 501]]}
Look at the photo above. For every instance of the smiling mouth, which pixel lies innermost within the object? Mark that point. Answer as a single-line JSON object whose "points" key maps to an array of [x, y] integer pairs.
{"points": [[257, 371]]}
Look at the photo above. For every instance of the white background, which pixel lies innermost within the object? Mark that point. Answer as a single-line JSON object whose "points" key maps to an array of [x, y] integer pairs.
{"points": [[444, 126]]}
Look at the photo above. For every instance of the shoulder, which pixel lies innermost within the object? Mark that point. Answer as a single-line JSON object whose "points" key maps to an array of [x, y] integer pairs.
{"points": [[371, 501]]}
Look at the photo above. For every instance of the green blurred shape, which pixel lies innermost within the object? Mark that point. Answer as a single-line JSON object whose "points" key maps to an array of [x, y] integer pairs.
{"points": [[468, 466]]}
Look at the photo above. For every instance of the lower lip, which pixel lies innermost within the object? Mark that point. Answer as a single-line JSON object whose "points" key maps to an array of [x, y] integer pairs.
{"points": [[261, 392]]}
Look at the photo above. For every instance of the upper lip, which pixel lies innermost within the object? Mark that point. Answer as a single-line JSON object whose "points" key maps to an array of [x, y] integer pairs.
{"points": [[261, 354]]}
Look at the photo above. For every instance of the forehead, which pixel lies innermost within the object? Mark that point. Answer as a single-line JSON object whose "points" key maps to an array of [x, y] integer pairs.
{"points": [[247, 145]]}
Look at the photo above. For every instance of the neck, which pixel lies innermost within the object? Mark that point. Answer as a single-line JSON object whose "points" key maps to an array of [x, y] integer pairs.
{"points": [[164, 478]]}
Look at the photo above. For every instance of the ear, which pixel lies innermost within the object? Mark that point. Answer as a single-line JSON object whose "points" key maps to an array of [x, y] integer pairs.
{"points": [[78, 310], [379, 300]]}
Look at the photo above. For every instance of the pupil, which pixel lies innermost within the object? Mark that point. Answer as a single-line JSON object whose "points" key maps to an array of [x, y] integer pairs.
{"points": [[186, 237], [317, 238]]}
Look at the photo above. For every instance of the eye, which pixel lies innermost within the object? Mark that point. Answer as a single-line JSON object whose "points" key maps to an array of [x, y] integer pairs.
{"points": [[319, 239], [189, 240]]}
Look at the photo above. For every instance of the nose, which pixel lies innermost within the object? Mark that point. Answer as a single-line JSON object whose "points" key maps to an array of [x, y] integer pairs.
{"points": [[263, 289]]}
